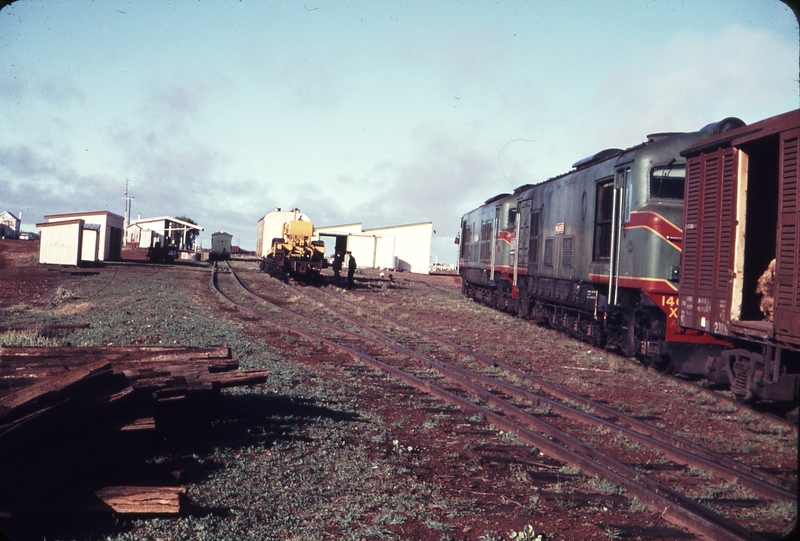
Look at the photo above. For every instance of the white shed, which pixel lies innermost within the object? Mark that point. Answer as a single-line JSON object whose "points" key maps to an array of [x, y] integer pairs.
{"points": [[69, 239], [401, 247], [61, 242]]}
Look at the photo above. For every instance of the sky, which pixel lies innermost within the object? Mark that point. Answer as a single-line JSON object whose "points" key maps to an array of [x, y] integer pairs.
{"points": [[383, 113]]}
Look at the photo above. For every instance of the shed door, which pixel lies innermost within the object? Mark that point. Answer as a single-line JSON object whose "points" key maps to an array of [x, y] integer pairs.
{"points": [[787, 289]]}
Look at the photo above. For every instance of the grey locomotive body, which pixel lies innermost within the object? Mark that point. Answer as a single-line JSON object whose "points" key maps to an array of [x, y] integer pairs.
{"points": [[594, 252]]}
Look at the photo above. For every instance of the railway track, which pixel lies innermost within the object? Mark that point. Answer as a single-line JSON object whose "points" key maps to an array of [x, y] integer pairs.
{"points": [[785, 414], [566, 426]]}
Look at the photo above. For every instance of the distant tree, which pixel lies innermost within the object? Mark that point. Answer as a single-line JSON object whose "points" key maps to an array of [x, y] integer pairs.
{"points": [[190, 235]]}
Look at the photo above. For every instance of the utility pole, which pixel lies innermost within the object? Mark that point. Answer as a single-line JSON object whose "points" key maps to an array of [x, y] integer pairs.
{"points": [[127, 214]]}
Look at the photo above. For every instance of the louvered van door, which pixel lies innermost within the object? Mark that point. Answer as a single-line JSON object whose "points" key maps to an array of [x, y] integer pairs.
{"points": [[694, 169], [787, 289], [725, 243]]}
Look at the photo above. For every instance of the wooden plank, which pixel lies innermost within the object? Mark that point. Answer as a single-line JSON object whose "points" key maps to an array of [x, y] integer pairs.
{"points": [[127, 352], [142, 500], [50, 390], [238, 378], [143, 423]]}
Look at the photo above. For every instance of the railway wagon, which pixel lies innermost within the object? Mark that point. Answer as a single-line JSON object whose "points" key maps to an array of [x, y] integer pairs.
{"points": [[594, 252], [740, 274], [221, 246]]}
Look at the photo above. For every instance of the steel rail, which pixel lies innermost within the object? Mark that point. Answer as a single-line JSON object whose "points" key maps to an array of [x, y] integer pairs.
{"points": [[706, 391], [761, 482], [680, 509], [673, 452], [674, 447]]}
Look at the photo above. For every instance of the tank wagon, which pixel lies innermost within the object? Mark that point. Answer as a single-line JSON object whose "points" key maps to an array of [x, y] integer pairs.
{"points": [[740, 274], [292, 251], [595, 252]]}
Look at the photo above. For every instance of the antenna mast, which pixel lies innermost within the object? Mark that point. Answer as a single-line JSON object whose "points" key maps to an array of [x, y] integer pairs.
{"points": [[127, 213]]}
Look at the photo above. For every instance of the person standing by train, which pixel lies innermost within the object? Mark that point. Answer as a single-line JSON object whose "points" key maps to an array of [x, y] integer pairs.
{"points": [[337, 267], [351, 269]]}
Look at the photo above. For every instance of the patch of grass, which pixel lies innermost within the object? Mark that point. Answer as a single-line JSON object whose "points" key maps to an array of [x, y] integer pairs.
{"points": [[786, 511], [699, 472], [439, 526], [605, 486], [541, 409], [26, 339], [729, 490], [637, 506], [534, 502]]}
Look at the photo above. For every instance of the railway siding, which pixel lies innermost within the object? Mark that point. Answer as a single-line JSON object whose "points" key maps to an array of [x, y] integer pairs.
{"points": [[783, 491]]}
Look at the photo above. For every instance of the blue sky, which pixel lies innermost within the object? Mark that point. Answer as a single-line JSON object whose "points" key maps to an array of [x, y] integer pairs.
{"points": [[377, 112]]}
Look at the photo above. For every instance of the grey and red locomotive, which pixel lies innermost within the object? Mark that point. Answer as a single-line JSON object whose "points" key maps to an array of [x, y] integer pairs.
{"points": [[601, 253]]}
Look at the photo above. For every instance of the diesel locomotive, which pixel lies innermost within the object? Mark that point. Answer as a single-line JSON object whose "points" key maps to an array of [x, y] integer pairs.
{"points": [[596, 252], [683, 251]]}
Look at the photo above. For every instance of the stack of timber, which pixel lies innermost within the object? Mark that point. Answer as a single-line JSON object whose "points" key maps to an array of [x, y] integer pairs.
{"points": [[59, 406]]}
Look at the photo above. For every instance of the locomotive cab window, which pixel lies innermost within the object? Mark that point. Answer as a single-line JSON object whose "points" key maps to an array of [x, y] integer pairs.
{"points": [[603, 217], [666, 181], [512, 217]]}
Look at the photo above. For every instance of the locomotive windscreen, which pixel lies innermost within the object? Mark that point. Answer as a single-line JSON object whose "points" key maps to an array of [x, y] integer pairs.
{"points": [[666, 182]]}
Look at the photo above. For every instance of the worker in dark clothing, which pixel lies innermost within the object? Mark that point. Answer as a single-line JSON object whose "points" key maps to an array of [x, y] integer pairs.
{"points": [[351, 270], [337, 267]]}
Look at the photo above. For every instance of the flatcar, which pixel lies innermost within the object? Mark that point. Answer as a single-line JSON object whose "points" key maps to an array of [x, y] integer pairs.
{"points": [[740, 274], [595, 252]]}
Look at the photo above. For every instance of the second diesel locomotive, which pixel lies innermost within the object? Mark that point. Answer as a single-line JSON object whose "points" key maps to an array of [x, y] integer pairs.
{"points": [[595, 252]]}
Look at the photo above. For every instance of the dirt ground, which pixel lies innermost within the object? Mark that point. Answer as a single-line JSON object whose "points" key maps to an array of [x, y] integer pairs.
{"points": [[330, 449]]}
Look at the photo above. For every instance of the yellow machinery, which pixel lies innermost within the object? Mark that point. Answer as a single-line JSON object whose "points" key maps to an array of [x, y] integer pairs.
{"points": [[295, 253]]}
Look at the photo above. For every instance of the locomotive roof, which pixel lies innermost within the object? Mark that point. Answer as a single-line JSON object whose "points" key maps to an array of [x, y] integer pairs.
{"points": [[599, 157], [724, 125], [496, 197], [745, 133], [602, 156]]}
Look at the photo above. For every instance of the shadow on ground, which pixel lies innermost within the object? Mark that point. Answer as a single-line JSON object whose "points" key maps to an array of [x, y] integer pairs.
{"points": [[51, 495]]}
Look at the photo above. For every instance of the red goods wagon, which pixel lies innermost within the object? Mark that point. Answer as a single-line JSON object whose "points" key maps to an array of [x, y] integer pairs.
{"points": [[740, 268]]}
